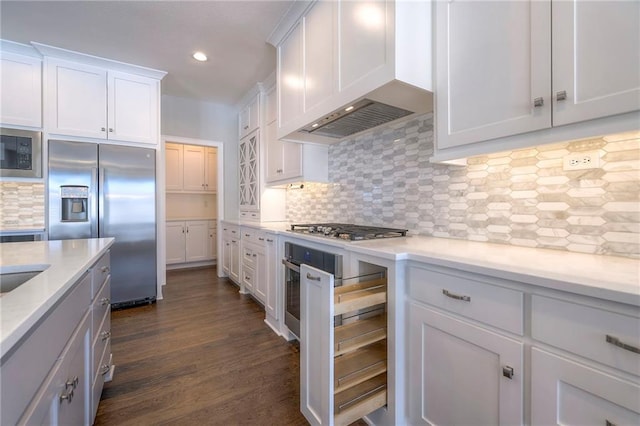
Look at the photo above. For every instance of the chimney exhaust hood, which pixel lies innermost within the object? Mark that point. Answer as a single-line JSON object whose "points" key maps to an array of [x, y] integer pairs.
{"points": [[373, 67]]}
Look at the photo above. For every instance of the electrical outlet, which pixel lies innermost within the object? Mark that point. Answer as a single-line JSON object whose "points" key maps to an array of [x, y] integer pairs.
{"points": [[581, 161]]}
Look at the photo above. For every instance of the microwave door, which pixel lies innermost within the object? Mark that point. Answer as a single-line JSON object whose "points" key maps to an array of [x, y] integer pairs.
{"points": [[73, 199]]}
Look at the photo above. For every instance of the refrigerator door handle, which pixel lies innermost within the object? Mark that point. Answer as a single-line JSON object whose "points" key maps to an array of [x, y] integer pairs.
{"points": [[101, 202], [94, 203]]}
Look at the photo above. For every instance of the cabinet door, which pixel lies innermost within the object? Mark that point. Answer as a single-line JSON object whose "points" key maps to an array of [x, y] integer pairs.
{"points": [[175, 242], [226, 255], [194, 160], [197, 240], [597, 67], [492, 63], [449, 361], [77, 99], [249, 173], [243, 121], [21, 94], [133, 108], [271, 277], [261, 277], [173, 166], [291, 160], [316, 345], [271, 105], [274, 154], [362, 39], [569, 393], [234, 261], [319, 58], [290, 76], [212, 246], [211, 169], [254, 113]]}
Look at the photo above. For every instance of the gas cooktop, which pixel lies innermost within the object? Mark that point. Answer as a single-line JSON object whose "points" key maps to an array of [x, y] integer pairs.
{"points": [[347, 231]]}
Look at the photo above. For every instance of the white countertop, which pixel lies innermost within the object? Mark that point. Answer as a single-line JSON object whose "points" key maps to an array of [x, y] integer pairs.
{"points": [[607, 277], [21, 308]]}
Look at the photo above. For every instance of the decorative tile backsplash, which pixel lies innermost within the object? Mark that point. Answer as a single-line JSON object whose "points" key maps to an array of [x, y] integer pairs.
{"points": [[522, 197], [21, 206]]}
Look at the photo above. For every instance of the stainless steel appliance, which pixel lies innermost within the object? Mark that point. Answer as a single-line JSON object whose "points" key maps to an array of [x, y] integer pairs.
{"points": [[348, 231], [295, 255], [108, 191], [20, 153]]}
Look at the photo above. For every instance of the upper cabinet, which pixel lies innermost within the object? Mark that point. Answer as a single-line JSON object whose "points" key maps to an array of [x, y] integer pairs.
{"points": [[529, 68], [191, 168], [90, 101], [334, 54], [287, 162], [20, 90], [249, 117]]}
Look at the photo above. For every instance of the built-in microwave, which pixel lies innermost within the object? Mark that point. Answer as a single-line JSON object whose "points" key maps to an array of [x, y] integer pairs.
{"points": [[20, 153]]}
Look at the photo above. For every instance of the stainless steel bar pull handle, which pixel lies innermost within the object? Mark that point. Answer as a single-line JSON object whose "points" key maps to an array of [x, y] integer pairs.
{"points": [[312, 278], [615, 341], [456, 296]]}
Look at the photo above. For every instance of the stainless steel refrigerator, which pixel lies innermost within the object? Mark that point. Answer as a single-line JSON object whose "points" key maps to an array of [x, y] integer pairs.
{"points": [[108, 191]]}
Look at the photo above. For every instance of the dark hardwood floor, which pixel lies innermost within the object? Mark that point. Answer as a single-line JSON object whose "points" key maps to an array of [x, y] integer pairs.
{"points": [[201, 356]]}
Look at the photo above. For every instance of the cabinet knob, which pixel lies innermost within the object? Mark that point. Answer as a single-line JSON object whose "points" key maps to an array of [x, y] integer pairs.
{"points": [[260, 239], [538, 102], [105, 335], [72, 383], [507, 372], [269, 240], [110, 129], [105, 301], [67, 396], [245, 127], [105, 369], [104, 269], [102, 129], [561, 95]]}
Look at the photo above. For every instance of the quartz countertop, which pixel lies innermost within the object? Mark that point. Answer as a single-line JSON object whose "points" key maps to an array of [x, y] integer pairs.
{"points": [[68, 260], [607, 277]]}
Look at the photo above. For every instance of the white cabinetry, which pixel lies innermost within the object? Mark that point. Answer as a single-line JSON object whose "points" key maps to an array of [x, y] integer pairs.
{"points": [[288, 162], [343, 369], [189, 241], [570, 389], [21, 94], [89, 101], [249, 117], [231, 251], [271, 277], [52, 376], [212, 249], [249, 169], [191, 168], [508, 68], [449, 359], [338, 52]]}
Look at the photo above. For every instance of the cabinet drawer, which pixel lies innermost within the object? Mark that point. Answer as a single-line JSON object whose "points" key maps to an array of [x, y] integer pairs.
{"points": [[253, 235], [248, 276], [603, 336], [101, 340], [250, 215], [100, 271], [231, 231], [493, 305], [248, 257], [101, 304]]}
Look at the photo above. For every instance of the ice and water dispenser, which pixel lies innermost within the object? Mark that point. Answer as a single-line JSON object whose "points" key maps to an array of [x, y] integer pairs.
{"points": [[75, 200]]}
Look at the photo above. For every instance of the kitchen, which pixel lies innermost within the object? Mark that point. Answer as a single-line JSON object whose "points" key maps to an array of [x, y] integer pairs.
{"points": [[525, 205]]}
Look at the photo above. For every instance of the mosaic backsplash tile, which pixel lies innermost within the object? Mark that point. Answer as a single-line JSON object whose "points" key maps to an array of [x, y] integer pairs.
{"points": [[21, 205], [522, 197]]}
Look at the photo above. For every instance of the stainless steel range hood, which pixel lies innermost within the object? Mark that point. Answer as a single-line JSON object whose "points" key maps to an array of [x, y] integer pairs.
{"points": [[395, 101]]}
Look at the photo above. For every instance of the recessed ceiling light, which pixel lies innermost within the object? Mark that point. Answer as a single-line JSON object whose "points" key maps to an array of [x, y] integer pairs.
{"points": [[199, 56], [349, 108], [315, 125]]}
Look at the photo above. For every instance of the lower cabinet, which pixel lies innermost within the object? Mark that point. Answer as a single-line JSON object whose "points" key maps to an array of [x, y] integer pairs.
{"points": [[461, 373], [231, 251], [343, 348], [49, 378], [190, 241]]}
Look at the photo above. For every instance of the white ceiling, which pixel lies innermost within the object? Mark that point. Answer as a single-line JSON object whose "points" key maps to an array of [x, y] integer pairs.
{"points": [[161, 35]]}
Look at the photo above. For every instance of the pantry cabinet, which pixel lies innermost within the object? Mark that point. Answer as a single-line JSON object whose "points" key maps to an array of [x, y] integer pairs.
{"points": [[191, 168], [88, 101], [188, 241], [343, 360], [510, 68], [21, 94]]}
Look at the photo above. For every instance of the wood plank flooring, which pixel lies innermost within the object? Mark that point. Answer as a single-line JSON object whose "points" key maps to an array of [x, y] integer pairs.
{"points": [[201, 356]]}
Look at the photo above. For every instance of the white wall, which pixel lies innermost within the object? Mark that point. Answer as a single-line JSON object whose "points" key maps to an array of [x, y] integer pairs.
{"points": [[191, 118]]}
